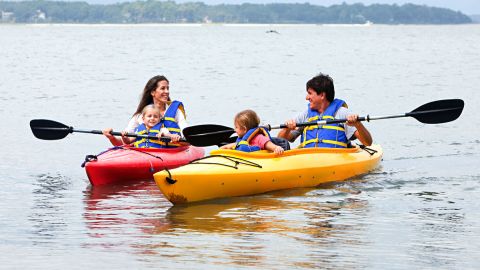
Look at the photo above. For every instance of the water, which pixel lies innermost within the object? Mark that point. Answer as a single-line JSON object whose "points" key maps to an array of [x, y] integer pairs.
{"points": [[418, 210]]}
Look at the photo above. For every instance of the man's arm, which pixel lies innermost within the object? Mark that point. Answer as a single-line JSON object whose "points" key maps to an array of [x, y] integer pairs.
{"points": [[362, 133], [292, 132]]}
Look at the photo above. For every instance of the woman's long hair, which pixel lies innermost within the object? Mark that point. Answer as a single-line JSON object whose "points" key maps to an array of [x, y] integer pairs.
{"points": [[146, 97]]}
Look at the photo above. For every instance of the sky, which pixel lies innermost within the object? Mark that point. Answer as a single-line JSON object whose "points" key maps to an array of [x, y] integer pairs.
{"points": [[469, 7]]}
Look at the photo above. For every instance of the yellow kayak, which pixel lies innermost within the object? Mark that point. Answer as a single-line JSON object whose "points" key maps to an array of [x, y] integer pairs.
{"points": [[228, 173]]}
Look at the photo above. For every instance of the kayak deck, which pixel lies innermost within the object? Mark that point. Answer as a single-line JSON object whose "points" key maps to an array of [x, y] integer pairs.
{"points": [[228, 173], [123, 164]]}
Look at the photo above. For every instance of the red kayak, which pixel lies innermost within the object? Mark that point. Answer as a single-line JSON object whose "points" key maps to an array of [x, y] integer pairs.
{"points": [[124, 163]]}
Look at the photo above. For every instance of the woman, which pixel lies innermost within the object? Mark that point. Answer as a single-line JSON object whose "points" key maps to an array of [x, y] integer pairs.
{"points": [[156, 92]]}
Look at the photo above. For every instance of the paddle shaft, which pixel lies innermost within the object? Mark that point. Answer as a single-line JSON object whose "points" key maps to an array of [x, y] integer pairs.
{"points": [[114, 133], [367, 118]]}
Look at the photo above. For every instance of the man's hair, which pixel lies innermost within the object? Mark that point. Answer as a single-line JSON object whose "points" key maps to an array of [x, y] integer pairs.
{"points": [[322, 83]]}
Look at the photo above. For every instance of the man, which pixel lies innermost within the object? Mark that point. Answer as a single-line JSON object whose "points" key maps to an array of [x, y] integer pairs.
{"points": [[324, 106]]}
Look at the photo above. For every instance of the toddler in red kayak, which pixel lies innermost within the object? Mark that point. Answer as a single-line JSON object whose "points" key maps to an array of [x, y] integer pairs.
{"points": [[251, 136], [151, 126]]}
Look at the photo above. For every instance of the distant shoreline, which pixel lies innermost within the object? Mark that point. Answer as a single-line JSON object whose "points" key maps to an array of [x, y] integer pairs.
{"points": [[267, 25], [151, 11]]}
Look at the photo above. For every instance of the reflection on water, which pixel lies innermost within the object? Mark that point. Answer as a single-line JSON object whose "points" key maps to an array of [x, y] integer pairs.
{"points": [[115, 207], [243, 226], [437, 221], [48, 208]]}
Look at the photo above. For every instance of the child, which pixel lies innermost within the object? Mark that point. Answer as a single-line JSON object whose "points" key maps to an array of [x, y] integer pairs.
{"points": [[151, 126], [251, 137]]}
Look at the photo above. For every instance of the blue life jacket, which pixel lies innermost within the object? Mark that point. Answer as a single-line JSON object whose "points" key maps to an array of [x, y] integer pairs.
{"points": [[145, 142], [328, 136], [168, 121], [243, 144]]}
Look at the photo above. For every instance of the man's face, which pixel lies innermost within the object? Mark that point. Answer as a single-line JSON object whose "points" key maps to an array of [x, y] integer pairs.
{"points": [[315, 99]]}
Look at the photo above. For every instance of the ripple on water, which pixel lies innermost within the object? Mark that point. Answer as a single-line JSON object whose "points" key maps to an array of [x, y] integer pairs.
{"points": [[48, 214]]}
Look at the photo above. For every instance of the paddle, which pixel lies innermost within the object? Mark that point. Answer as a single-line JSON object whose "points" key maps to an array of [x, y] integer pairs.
{"points": [[206, 135], [435, 112], [52, 130]]}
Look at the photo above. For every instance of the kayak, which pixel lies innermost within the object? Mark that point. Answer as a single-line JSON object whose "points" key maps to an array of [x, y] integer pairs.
{"points": [[124, 163], [228, 173]]}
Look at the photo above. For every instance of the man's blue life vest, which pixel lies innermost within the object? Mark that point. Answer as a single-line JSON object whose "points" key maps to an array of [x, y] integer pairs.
{"points": [[328, 136], [168, 121], [243, 144]]}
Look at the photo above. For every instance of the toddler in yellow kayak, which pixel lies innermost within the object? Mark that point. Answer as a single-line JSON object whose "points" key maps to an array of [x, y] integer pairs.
{"points": [[251, 136]]}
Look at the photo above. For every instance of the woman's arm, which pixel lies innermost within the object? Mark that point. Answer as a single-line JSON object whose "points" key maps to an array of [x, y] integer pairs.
{"points": [[114, 140], [127, 140]]}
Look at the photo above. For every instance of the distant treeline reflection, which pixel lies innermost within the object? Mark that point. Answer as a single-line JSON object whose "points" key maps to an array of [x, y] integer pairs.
{"points": [[197, 12]]}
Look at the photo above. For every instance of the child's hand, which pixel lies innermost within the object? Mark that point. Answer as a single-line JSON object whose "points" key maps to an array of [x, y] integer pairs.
{"points": [[228, 146], [174, 137], [278, 150]]}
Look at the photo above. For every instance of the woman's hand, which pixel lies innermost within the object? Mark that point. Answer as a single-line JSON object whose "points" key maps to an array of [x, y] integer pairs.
{"points": [[107, 132], [124, 136], [125, 139]]}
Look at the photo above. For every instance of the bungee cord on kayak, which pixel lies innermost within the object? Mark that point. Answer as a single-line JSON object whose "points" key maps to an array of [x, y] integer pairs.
{"points": [[367, 149], [89, 158], [236, 160]]}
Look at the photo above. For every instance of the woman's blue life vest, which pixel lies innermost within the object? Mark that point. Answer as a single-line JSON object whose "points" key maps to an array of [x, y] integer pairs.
{"points": [[243, 144], [168, 121], [327, 136]]}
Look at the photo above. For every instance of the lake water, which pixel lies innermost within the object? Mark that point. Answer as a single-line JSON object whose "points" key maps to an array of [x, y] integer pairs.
{"points": [[418, 210]]}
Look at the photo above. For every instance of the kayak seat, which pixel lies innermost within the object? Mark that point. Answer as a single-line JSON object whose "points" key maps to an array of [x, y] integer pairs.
{"points": [[281, 142]]}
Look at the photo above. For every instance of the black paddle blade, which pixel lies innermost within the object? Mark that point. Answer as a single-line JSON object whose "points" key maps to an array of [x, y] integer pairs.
{"points": [[49, 130], [207, 135], [440, 111]]}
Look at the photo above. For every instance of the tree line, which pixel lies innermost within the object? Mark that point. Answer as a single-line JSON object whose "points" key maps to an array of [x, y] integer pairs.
{"points": [[152, 11]]}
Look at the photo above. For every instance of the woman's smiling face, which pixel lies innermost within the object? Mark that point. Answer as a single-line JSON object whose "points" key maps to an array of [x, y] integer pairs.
{"points": [[161, 94]]}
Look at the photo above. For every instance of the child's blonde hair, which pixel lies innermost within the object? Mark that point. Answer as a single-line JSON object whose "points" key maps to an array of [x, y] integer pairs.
{"points": [[151, 107], [247, 118]]}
